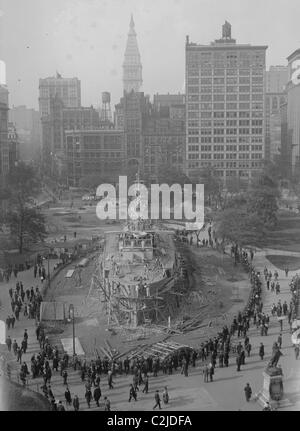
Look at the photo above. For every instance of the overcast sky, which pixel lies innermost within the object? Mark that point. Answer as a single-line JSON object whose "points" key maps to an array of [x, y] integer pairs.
{"points": [[87, 38]]}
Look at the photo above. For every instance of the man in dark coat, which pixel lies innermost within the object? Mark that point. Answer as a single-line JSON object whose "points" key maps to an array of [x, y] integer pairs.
{"points": [[248, 392], [97, 395], [157, 400], [132, 394]]}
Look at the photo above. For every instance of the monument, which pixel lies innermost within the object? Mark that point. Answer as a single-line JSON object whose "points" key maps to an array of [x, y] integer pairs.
{"points": [[272, 390]]}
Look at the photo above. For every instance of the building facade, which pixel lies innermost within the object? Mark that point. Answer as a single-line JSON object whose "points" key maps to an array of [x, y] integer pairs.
{"points": [[13, 145], [276, 79], [67, 89], [54, 126], [293, 110], [225, 107], [132, 66], [94, 152], [4, 146], [28, 126]]}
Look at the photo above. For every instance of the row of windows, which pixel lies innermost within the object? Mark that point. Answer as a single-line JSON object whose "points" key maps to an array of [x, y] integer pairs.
{"points": [[197, 148], [229, 80], [244, 165], [229, 156], [219, 139], [228, 123], [229, 131]]}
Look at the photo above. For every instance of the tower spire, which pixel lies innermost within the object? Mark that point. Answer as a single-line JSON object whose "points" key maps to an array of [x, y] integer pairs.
{"points": [[132, 66]]}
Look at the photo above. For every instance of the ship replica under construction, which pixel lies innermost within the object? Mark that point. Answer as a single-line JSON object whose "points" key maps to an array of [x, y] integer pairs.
{"points": [[143, 277]]}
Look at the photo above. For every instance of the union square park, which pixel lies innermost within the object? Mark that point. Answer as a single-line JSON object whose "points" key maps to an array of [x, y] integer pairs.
{"points": [[135, 314]]}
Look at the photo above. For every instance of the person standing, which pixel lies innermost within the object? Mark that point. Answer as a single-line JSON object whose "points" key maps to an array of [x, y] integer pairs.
{"points": [[165, 395], [109, 379], [97, 395], [88, 397], [157, 400], [146, 383], [106, 404], [68, 397], [211, 371], [279, 340], [132, 394], [261, 351], [248, 392], [8, 343], [296, 348], [76, 403], [65, 377]]}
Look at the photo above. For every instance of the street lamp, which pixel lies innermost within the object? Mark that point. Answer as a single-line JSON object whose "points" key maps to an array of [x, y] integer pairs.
{"points": [[71, 313]]}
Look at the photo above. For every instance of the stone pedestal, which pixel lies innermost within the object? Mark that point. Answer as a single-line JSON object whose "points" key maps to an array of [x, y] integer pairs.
{"points": [[272, 390]]}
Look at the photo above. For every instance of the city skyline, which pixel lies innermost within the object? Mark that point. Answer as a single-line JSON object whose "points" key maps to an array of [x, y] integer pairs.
{"points": [[53, 39]]}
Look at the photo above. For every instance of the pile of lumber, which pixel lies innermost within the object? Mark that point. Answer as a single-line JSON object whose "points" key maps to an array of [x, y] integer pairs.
{"points": [[193, 323], [161, 349], [109, 351]]}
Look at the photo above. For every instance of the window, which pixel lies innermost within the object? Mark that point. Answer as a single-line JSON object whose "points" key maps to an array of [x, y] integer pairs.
{"points": [[256, 131], [231, 114], [205, 81], [193, 139], [244, 72], [257, 122], [193, 98], [218, 147], [244, 122], [205, 114], [193, 148], [257, 105], [244, 80], [193, 123], [193, 132], [205, 97], [231, 123], [244, 114], [206, 132], [256, 89], [193, 81], [205, 123], [219, 72], [258, 97], [205, 106], [231, 72], [218, 114], [231, 97], [219, 81], [231, 105], [205, 89], [193, 106], [219, 156], [218, 131], [232, 89], [219, 123], [193, 89], [219, 97], [219, 89], [231, 131], [244, 105], [244, 131], [219, 106], [244, 88], [244, 97], [206, 140], [218, 139]]}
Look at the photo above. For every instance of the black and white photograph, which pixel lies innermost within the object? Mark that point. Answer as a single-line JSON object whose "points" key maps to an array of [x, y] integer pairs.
{"points": [[149, 209]]}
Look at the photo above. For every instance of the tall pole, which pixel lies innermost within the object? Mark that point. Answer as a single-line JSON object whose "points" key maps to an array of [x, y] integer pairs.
{"points": [[74, 352], [49, 270]]}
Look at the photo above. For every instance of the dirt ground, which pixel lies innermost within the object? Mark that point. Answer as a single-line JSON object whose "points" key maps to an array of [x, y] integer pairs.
{"points": [[222, 287]]}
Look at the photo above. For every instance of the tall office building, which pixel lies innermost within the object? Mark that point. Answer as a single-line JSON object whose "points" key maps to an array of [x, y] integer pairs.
{"points": [[276, 79], [225, 98], [293, 109], [67, 89], [4, 145], [28, 126], [132, 66]]}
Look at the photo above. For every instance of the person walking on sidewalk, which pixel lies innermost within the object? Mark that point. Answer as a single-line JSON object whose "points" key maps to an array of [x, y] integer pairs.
{"points": [[76, 403], [165, 395], [157, 400], [132, 394], [248, 392], [261, 351], [297, 349], [106, 404]]}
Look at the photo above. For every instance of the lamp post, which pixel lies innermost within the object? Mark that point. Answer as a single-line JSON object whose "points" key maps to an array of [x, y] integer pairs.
{"points": [[71, 311]]}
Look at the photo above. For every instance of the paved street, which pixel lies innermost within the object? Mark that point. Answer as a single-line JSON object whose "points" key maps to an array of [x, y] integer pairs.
{"points": [[186, 393]]}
